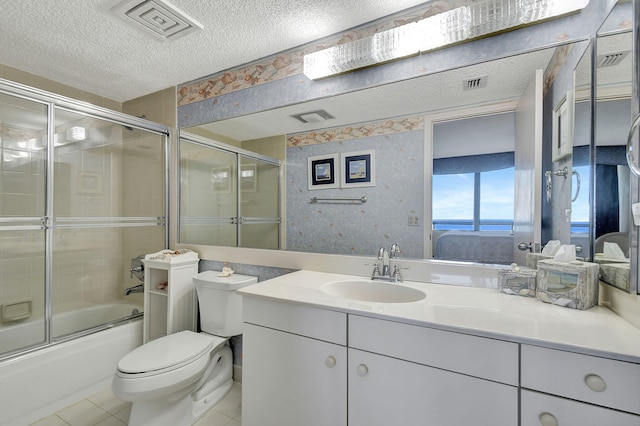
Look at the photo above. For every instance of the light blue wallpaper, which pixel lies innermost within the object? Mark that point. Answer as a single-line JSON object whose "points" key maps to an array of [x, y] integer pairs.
{"points": [[360, 228]]}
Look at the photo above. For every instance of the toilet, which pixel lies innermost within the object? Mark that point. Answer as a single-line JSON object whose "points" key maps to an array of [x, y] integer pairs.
{"points": [[176, 379]]}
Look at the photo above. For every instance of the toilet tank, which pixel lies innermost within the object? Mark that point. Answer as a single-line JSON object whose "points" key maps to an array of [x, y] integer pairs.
{"points": [[220, 306]]}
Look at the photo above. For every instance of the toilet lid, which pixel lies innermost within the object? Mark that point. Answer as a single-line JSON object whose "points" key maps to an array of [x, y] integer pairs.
{"points": [[169, 351]]}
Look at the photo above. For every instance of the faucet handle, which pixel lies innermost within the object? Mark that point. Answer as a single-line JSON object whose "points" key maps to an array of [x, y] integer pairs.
{"points": [[395, 249]]}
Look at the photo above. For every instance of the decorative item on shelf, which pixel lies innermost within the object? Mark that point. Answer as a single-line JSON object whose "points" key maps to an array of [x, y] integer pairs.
{"points": [[571, 284], [518, 281], [172, 256]]}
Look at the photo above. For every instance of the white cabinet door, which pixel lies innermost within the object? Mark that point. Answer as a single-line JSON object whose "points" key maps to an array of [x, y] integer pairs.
{"points": [[539, 409], [386, 391], [290, 380]]}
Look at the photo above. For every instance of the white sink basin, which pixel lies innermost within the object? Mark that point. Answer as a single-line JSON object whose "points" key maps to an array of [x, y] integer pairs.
{"points": [[373, 291]]}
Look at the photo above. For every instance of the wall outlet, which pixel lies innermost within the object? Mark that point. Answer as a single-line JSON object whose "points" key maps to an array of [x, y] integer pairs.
{"points": [[414, 220]]}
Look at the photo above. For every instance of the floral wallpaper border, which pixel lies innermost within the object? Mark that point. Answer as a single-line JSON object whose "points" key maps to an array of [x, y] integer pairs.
{"points": [[357, 131], [286, 64]]}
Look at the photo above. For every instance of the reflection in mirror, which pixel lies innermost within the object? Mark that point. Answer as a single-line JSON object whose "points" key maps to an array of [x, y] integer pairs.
{"points": [[576, 202], [397, 123], [614, 69], [473, 188], [228, 196]]}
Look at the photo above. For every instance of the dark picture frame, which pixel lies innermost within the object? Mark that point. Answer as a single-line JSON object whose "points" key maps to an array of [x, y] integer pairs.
{"points": [[358, 169], [323, 172]]}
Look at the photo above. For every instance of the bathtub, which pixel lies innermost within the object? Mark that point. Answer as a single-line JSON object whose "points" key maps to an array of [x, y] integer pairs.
{"points": [[39, 383]]}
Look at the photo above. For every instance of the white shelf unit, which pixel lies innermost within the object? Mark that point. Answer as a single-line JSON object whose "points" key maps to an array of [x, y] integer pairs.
{"points": [[174, 308]]}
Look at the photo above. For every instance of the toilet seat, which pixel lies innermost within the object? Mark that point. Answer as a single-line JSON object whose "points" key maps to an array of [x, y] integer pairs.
{"points": [[165, 365], [167, 353]]}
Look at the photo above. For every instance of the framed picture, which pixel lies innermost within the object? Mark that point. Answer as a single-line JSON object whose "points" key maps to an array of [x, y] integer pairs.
{"points": [[322, 172], [563, 128], [221, 179], [358, 169]]}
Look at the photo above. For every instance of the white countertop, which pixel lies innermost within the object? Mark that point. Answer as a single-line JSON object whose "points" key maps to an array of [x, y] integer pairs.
{"points": [[479, 311]]}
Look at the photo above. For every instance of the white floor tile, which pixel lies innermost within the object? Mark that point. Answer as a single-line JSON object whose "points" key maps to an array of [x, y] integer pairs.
{"points": [[230, 406], [52, 420], [111, 421], [105, 409], [83, 413], [213, 418]]}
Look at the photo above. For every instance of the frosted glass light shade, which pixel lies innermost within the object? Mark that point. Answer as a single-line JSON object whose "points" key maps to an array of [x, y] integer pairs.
{"points": [[479, 19]]}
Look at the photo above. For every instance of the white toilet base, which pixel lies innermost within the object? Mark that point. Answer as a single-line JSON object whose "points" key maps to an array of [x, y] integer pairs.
{"points": [[185, 410]]}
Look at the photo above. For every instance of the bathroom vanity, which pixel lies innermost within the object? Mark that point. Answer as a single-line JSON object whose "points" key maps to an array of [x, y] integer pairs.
{"points": [[459, 356]]}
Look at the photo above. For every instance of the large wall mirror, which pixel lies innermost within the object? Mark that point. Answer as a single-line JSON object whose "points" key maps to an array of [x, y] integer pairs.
{"points": [[614, 69], [446, 165], [445, 151]]}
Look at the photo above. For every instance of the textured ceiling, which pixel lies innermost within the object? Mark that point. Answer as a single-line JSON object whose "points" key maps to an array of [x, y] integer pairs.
{"points": [[81, 43]]}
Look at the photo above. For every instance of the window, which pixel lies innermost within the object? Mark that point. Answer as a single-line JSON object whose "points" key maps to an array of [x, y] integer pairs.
{"points": [[480, 201]]}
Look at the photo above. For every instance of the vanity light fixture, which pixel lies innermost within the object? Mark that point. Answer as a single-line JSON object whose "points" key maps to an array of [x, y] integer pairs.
{"points": [[478, 19]]}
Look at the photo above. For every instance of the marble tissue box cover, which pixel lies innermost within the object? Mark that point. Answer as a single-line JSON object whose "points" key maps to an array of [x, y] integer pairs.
{"points": [[534, 258], [572, 285], [518, 282]]}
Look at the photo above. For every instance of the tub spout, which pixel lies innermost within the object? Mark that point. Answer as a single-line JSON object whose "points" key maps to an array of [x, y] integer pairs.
{"points": [[135, 289]]}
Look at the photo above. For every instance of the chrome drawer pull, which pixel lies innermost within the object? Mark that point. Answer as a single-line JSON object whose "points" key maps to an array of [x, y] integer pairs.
{"points": [[595, 383]]}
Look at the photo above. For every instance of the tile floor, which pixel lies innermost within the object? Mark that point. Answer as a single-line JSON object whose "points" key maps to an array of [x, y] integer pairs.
{"points": [[105, 409]]}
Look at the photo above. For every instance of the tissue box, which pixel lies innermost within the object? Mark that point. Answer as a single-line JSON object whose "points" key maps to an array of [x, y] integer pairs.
{"points": [[572, 285], [522, 282], [534, 258]]}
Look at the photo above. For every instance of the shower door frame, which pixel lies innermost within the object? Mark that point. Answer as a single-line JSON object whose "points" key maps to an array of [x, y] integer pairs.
{"points": [[55, 102]]}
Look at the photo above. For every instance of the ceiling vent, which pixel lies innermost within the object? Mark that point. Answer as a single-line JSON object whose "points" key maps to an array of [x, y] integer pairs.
{"points": [[157, 17], [474, 83], [611, 59], [313, 116]]}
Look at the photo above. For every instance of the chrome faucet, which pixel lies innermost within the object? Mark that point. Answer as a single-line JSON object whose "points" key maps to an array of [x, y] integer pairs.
{"points": [[386, 274], [135, 289], [384, 256]]}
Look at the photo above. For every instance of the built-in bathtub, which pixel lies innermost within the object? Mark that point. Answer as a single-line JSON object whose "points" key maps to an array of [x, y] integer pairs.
{"points": [[41, 382]]}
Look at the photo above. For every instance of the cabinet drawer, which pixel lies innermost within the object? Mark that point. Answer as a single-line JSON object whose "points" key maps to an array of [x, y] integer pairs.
{"points": [[294, 318], [385, 391], [539, 409], [601, 381], [476, 356]]}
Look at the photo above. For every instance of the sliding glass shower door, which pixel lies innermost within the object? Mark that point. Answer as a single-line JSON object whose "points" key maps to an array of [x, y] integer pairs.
{"points": [[83, 191], [23, 147]]}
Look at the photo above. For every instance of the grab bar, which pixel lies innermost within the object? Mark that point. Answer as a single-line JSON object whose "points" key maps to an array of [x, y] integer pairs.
{"points": [[316, 200], [564, 173], [577, 175]]}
